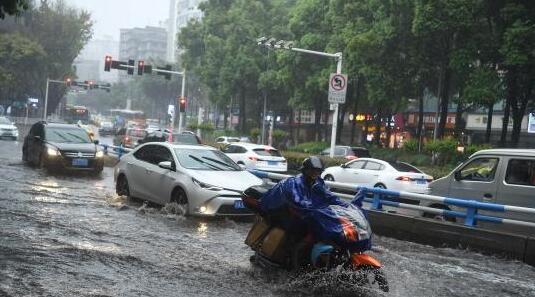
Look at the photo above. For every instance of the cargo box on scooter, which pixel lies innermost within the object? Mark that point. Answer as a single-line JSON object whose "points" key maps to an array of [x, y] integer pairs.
{"points": [[257, 233], [274, 245]]}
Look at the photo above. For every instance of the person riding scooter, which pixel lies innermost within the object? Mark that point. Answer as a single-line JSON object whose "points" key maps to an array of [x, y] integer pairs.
{"points": [[294, 203]]}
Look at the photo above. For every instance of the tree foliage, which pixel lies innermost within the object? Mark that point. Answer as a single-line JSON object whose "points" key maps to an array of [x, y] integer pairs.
{"points": [[474, 53], [51, 35]]}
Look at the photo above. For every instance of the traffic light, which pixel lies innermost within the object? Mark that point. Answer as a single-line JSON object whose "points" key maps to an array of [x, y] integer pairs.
{"points": [[130, 70], [167, 68], [182, 104], [68, 81], [107, 63], [140, 65]]}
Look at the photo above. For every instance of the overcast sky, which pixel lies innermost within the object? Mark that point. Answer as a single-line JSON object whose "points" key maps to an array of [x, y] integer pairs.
{"points": [[111, 15]]}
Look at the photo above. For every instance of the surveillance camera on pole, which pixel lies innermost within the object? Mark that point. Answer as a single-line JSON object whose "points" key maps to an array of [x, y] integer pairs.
{"points": [[279, 44], [261, 40]]}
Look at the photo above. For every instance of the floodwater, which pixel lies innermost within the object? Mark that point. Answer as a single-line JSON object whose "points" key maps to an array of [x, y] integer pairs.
{"points": [[73, 236]]}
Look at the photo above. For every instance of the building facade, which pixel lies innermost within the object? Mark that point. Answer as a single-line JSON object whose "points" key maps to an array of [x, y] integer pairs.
{"points": [[90, 62], [143, 44]]}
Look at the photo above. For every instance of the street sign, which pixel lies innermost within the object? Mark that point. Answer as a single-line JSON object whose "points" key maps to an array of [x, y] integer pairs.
{"points": [[337, 88]]}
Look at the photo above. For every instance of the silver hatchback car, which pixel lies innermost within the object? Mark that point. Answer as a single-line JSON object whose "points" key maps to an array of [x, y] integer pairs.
{"points": [[200, 178]]}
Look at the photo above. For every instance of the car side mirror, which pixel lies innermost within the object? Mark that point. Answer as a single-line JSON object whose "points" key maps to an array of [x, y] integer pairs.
{"points": [[139, 141], [457, 175], [166, 165], [96, 141], [344, 166], [242, 166]]}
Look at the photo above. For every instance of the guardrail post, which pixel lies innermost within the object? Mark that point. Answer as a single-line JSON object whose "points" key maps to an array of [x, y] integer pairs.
{"points": [[105, 146], [377, 204], [120, 152], [470, 219]]}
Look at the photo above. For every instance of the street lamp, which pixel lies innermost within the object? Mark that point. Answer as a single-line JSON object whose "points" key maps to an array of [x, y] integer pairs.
{"points": [[289, 45]]}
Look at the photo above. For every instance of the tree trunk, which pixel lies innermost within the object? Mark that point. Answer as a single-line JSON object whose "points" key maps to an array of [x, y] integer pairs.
{"points": [[388, 130], [511, 95], [459, 119], [444, 102], [243, 115], [419, 130], [317, 122], [518, 113], [489, 122], [377, 132], [341, 116]]}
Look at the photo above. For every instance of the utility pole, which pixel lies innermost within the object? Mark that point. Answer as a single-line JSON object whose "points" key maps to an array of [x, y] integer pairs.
{"points": [[288, 45]]}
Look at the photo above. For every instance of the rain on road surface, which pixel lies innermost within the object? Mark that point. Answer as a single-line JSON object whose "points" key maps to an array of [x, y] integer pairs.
{"points": [[72, 236]]}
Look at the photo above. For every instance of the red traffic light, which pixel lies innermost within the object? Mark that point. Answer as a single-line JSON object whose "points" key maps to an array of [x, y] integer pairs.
{"points": [[107, 63], [140, 66], [182, 104]]}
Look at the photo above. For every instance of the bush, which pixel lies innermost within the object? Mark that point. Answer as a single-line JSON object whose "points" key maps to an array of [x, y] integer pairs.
{"points": [[255, 133], [295, 159], [278, 136], [473, 148], [444, 150], [410, 145], [309, 147]]}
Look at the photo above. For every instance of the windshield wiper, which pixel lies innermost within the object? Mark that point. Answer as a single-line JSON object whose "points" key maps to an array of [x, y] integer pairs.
{"points": [[205, 163], [219, 162]]}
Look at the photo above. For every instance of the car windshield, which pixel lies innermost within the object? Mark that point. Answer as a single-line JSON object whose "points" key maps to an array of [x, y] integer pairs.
{"points": [[267, 152], [404, 167], [204, 159], [4, 121], [67, 135], [185, 138]]}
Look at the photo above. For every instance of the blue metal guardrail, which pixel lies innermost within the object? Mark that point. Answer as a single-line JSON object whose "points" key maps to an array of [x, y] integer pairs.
{"points": [[116, 150], [470, 216]]}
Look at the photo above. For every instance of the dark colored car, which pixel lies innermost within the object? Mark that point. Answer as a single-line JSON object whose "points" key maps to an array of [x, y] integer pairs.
{"points": [[61, 147], [163, 136], [348, 152]]}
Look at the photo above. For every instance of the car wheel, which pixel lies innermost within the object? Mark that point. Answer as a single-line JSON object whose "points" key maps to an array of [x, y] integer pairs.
{"points": [[24, 155], [121, 187], [380, 186], [329, 177], [42, 163], [180, 198]]}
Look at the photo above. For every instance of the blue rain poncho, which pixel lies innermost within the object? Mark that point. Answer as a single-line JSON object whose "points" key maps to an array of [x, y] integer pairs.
{"points": [[329, 218]]}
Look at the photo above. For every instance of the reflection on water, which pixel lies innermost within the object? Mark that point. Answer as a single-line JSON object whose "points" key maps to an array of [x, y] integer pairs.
{"points": [[202, 230]]}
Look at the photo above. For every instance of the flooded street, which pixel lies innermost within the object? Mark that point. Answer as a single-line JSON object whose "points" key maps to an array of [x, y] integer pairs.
{"points": [[73, 236]]}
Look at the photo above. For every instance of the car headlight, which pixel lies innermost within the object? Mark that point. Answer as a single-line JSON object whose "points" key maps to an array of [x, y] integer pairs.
{"points": [[52, 151], [206, 186], [99, 154]]}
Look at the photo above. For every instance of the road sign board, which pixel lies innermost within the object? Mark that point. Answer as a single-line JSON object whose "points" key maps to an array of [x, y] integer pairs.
{"points": [[337, 88]]}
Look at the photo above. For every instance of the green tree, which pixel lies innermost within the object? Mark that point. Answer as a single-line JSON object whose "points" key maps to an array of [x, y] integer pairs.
{"points": [[13, 7]]}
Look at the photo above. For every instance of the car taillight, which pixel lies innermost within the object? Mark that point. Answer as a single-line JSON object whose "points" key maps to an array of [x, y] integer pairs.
{"points": [[351, 157], [252, 158], [429, 180], [404, 178]]}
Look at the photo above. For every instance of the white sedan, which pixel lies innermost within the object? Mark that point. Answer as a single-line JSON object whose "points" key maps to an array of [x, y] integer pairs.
{"points": [[376, 173], [257, 156], [201, 179]]}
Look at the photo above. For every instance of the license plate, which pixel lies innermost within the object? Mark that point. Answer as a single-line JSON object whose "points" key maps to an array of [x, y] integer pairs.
{"points": [[421, 181], [80, 162], [272, 162], [238, 204]]}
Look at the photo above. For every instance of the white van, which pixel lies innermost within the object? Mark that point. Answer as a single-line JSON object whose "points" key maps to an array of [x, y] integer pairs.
{"points": [[503, 176]]}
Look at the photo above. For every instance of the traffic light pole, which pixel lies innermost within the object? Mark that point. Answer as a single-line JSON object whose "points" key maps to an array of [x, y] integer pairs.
{"points": [[180, 114], [48, 81]]}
